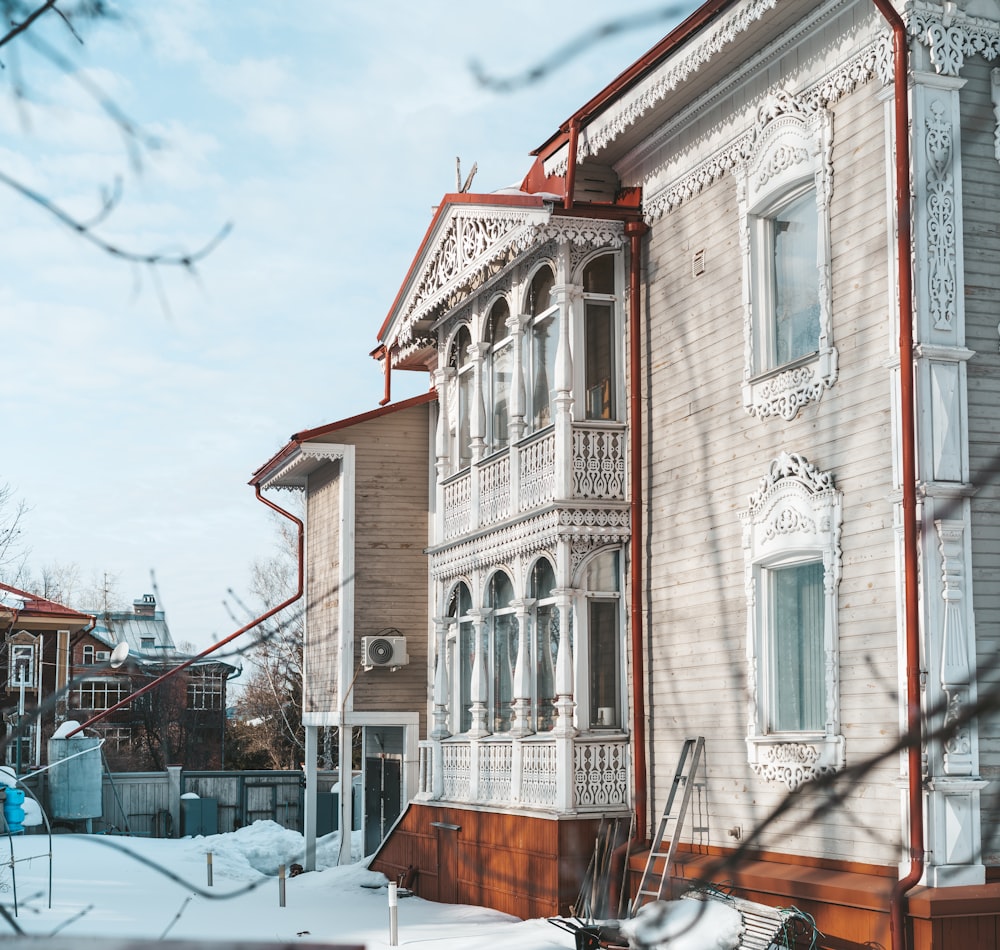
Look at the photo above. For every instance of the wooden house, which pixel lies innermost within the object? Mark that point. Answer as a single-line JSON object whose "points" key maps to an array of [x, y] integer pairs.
{"points": [[715, 453]]}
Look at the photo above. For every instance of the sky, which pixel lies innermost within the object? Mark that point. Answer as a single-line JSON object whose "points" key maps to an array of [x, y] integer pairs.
{"points": [[122, 888], [136, 403]]}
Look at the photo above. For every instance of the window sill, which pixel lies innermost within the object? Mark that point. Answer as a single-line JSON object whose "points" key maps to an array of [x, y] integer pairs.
{"points": [[784, 390], [795, 758]]}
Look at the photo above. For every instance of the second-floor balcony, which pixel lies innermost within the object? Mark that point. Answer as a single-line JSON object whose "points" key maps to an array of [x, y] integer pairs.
{"points": [[534, 473]]}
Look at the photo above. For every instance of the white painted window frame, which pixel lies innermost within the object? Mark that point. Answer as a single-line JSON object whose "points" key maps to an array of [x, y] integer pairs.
{"points": [[790, 153], [794, 517]]}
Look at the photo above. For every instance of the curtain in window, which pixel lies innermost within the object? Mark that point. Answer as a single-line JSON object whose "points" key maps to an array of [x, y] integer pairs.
{"points": [[797, 677]]}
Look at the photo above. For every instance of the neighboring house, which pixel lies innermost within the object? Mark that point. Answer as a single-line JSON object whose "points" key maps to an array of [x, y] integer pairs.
{"points": [[679, 487], [38, 640], [181, 721], [365, 481]]}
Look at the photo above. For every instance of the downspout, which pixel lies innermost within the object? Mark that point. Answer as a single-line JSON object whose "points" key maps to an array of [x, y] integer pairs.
{"points": [[913, 736], [574, 137], [619, 859], [253, 623]]}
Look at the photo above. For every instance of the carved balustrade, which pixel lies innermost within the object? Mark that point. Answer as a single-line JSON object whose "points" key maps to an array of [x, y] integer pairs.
{"points": [[524, 773], [522, 478]]}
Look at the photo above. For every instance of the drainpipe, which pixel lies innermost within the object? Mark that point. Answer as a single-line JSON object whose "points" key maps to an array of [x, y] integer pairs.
{"points": [[253, 623], [387, 372], [909, 475], [574, 136], [619, 859]]}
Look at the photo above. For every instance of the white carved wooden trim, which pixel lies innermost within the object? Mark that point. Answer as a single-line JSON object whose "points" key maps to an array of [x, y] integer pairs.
{"points": [[792, 144], [795, 510], [601, 774], [494, 490], [458, 506], [599, 462], [537, 464], [951, 35]]}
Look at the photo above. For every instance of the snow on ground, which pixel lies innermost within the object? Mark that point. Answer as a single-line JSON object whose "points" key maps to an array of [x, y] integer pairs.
{"points": [[113, 886]]}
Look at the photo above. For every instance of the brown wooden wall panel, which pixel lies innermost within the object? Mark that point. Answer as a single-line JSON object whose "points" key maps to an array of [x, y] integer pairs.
{"points": [[522, 865]]}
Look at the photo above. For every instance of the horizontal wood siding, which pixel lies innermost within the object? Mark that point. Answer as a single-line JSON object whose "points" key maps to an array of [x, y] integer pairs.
{"points": [[391, 532], [981, 187], [521, 865], [323, 575], [706, 456], [391, 504]]}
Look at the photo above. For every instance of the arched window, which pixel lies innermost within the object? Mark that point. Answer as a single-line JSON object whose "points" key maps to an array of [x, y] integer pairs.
{"points": [[501, 366], [602, 580], [600, 339], [461, 362], [503, 649], [545, 626], [542, 355], [461, 635]]}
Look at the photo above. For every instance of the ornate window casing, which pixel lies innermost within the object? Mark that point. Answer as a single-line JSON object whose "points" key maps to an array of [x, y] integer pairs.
{"points": [[600, 340], [792, 557], [784, 188]]}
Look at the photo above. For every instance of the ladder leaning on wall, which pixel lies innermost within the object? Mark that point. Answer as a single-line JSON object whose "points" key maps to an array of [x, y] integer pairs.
{"points": [[670, 826]]}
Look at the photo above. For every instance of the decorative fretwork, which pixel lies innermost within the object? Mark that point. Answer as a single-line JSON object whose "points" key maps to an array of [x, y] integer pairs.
{"points": [[457, 770], [599, 463], [872, 62], [953, 36], [537, 463], [494, 490], [941, 222], [792, 763], [538, 773], [601, 774], [495, 771], [457, 506]]}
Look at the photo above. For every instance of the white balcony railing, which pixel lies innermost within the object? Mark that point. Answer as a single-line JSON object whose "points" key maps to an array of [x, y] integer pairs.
{"points": [[597, 467], [526, 773]]}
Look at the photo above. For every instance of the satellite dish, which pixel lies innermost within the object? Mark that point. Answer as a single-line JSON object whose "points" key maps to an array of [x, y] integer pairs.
{"points": [[119, 655]]}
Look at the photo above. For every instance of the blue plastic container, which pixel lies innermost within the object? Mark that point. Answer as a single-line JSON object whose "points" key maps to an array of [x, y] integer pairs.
{"points": [[13, 812]]}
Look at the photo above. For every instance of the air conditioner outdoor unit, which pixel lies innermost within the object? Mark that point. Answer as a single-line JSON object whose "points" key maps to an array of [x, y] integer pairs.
{"points": [[384, 651], [102, 655]]}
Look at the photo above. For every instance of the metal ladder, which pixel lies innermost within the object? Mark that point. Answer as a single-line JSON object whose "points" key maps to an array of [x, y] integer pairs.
{"points": [[670, 824]]}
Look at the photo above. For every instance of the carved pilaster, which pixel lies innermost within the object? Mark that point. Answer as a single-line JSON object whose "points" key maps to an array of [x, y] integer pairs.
{"points": [[480, 676], [565, 703], [521, 724], [937, 230], [440, 716], [517, 324]]}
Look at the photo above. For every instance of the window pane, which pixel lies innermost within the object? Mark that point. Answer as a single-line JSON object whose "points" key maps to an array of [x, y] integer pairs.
{"points": [[501, 372], [464, 419], [504, 656], [546, 645], [467, 654], [599, 275], [600, 362], [796, 284], [797, 679], [543, 365], [604, 664]]}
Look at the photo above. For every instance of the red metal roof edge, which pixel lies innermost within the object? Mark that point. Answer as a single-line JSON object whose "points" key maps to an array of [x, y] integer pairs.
{"points": [[306, 435], [42, 605], [454, 198], [679, 35]]}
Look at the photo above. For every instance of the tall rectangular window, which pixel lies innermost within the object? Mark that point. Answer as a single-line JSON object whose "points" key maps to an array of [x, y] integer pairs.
{"points": [[605, 672], [787, 286], [796, 677], [794, 230], [599, 326]]}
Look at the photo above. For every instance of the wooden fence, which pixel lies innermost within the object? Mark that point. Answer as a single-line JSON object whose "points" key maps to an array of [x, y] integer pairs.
{"points": [[173, 803]]}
